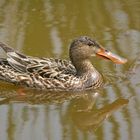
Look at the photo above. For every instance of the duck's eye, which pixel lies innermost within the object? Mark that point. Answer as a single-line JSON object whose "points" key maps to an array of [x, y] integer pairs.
{"points": [[90, 44], [106, 51]]}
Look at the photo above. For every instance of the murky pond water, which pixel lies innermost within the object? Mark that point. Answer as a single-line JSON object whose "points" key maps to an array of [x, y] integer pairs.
{"points": [[45, 28]]}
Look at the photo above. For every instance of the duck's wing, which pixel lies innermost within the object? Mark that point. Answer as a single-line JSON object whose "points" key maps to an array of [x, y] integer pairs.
{"points": [[50, 67], [45, 67], [17, 60]]}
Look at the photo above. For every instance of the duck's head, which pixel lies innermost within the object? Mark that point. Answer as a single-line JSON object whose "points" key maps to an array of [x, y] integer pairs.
{"points": [[83, 48]]}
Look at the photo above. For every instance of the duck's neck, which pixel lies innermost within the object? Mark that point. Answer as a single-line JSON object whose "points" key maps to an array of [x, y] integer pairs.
{"points": [[84, 67], [90, 76]]}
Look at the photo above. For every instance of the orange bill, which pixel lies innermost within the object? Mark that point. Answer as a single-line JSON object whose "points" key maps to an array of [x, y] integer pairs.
{"points": [[101, 52]]}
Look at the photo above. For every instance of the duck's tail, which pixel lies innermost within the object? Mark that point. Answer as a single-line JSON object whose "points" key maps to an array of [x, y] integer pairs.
{"points": [[3, 61], [13, 68], [17, 60], [6, 48]]}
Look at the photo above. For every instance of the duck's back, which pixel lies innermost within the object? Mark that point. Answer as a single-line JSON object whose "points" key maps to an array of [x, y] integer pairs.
{"points": [[44, 73], [40, 73]]}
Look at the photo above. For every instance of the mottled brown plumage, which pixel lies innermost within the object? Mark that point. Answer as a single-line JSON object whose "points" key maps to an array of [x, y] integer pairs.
{"points": [[56, 74]]}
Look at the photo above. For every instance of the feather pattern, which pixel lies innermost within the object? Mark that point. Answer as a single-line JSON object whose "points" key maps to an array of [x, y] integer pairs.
{"points": [[44, 73]]}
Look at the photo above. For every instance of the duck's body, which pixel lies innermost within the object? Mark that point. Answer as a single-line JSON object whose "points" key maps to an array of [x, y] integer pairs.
{"points": [[54, 74], [48, 74]]}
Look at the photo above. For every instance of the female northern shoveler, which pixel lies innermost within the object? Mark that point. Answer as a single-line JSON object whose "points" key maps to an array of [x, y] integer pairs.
{"points": [[57, 74]]}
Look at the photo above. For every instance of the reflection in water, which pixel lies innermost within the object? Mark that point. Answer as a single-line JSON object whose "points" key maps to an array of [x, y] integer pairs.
{"points": [[10, 31], [44, 28], [56, 42], [91, 119], [35, 97], [82, 111]]}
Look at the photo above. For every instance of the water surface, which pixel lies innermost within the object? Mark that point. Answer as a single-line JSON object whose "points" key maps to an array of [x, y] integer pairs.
{"points": [[45, 28]]}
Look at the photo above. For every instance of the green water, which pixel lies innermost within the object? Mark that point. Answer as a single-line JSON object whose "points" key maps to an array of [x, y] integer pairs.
{"points": [[45, 28]]}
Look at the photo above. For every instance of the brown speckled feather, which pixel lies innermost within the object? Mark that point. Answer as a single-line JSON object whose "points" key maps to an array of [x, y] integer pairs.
{"points": [[44, 73], [40, 73]]}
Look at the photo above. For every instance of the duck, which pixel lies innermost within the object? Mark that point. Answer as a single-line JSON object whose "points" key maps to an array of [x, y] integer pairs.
{"points": [[54, 74]]}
